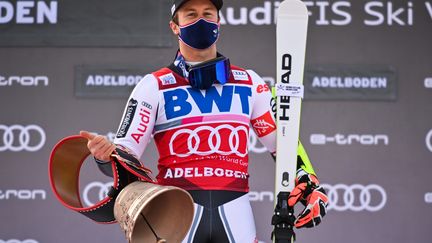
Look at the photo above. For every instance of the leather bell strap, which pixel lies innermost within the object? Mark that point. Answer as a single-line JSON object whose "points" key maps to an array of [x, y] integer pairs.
{"points": [[65, 163]]}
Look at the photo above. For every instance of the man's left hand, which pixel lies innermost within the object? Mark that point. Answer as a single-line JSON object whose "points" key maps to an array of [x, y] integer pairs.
{"points": [[313, 196]]}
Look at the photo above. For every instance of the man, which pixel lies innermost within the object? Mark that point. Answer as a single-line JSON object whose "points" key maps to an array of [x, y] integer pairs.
{"points": [[199, 111]]}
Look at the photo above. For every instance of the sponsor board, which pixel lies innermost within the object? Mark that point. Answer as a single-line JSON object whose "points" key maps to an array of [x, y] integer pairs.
{"points": [[15, 80], [106, 81], [344, 82], [261, 196], [28, 12], [350, 139], [355, 197], [19, 241], [342, 197], [60, 23], [324, 13], [429, 140], [95, 191], [17, 138], [428, 83], [428, 197], [22, 194]]}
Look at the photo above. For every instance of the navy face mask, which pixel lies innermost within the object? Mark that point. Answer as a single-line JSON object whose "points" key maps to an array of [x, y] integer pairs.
{"points": [[200, 34]]}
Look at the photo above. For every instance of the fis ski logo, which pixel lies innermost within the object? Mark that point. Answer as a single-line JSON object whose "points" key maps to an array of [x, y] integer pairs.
{"points": [[285, 78], [264, 124]]}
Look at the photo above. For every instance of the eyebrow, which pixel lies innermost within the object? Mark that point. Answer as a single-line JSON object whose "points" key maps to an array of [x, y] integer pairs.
{"points": [[192, 9]]}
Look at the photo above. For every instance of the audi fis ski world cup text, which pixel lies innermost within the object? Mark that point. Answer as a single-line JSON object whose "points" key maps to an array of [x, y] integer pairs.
{"points": [[28, 12], [323, 13], [334, 13], [24, 80], [18, 138]]}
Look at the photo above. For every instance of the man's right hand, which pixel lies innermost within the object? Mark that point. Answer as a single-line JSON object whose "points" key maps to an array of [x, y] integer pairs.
{"points": [[100, 147]]}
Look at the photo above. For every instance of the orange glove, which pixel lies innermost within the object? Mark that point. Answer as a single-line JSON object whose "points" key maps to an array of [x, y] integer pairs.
{"points": [[313, 196]]}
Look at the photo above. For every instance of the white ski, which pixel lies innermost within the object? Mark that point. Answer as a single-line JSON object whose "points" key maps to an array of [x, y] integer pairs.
{"points": [[291, 33]]}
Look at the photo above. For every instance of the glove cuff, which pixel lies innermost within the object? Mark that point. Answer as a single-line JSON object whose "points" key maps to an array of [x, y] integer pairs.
{"points": [[304, 177]]}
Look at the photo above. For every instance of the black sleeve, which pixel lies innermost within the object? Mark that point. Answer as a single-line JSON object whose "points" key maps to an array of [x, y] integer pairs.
{"points": [[105, 167]]}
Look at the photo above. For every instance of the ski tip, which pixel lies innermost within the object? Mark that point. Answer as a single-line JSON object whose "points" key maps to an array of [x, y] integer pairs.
{"points": [[293, 8]]}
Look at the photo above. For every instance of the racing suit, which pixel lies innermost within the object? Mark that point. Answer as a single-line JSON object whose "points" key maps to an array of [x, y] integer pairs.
{"points": [[202, 139]]}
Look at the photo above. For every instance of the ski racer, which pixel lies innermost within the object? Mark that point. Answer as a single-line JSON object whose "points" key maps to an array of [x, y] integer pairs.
{"points": [[199, 110]]}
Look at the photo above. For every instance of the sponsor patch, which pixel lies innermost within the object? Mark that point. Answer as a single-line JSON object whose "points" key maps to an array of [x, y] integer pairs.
{"points": [[127, 119], [168, 79], [264, 124], [262, 88], [144, 114], [240, 75]]}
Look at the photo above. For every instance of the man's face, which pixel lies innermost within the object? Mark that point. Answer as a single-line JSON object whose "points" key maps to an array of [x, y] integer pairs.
{"points": [[196, 9]]}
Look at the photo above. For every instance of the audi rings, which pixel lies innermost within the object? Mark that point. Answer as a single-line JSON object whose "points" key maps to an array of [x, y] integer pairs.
{"points": [[101, 189], [23, 139], [429, 140], [214, 140], [18, 241], [355, 197]]}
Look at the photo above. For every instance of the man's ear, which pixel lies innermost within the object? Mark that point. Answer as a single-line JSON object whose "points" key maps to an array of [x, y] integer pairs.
{"points": [[174, 28]]}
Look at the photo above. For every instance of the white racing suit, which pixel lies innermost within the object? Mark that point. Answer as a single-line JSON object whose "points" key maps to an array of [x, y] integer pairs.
{"points": [[202, 139]]}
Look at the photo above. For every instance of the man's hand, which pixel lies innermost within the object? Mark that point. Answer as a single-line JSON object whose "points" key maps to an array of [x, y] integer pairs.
{"points": [[100, 147], [313, 196]]}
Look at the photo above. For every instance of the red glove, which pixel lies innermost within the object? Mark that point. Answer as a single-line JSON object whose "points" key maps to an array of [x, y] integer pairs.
{"points": [[313, 196]]}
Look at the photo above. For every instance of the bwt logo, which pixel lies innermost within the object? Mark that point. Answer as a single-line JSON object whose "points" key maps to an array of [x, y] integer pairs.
{"points": [[24, 80], [19, 241], [180, 102], [340, 139], [28, 12], [429, 140], [23, 194]]}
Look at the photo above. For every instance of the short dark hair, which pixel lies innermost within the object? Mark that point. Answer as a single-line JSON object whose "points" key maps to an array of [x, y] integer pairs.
{"points": [[175, 19]]}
